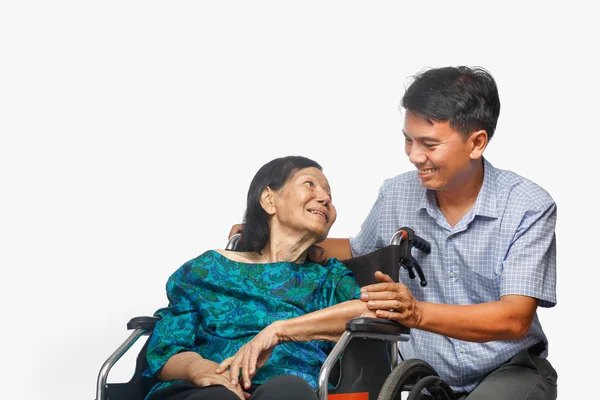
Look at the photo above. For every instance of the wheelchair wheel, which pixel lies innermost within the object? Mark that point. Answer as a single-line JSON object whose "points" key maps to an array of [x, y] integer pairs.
{"points": [[437, 388], [405, 377]]}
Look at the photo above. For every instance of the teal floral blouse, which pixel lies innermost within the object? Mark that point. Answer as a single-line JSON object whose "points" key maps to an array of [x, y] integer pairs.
{"points": [[216, 305]]}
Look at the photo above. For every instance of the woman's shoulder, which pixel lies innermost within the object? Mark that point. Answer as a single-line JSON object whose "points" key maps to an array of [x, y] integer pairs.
{"points": [[204, 260], [236, 256], [337, 266], [202, 265]]}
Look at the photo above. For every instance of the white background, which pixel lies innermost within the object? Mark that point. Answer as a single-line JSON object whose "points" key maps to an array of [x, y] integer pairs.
{"points": [[130, 131]]}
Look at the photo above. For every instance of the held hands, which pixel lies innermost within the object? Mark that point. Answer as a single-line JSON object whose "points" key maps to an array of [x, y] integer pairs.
{"points": [[202, 373], [251, 356], [391, 300]]}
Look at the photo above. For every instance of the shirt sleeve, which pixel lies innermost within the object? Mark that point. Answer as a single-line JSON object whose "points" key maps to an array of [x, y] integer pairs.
{"points": [[366, 239], [176, 330], [340, 285], [529, 268]]}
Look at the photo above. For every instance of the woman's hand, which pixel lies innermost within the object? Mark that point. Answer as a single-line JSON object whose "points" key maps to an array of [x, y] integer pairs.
{"points": [[391, 300], [251, 356], [203, 373]]}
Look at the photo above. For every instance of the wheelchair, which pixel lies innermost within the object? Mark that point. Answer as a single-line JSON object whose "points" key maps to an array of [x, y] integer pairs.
{"points": [[363, 365]]}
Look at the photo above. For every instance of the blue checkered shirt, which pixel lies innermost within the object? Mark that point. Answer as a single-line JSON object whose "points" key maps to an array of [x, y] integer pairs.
{"points": [[504, 245]]}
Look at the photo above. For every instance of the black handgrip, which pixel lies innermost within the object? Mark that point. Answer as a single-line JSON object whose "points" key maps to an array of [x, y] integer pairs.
{"points": [[410, 239], [416, 240], [144, 322], [420, 243]]}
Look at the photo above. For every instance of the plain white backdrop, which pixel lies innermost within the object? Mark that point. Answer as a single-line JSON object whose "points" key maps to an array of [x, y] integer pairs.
{"points": [[130, 131]]}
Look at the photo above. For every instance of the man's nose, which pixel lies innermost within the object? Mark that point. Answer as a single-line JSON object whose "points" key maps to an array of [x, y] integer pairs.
{"points": [[415, 154]]}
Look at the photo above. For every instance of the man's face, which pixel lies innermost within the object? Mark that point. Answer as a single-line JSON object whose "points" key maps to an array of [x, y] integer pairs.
{"points": [[441, 155]]}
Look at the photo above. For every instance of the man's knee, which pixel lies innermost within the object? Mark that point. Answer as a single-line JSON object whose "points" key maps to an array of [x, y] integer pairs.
{"points": [[525, 377]]}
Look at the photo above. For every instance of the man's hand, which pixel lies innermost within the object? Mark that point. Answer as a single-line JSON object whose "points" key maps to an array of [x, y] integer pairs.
{"points": [[203, 373], [251, 356], [391, 300], [237, 228]]}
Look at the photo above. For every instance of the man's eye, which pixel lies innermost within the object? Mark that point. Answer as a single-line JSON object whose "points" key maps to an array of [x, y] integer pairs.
{"points": [[309, 183], [407, 140], [429, 145]]}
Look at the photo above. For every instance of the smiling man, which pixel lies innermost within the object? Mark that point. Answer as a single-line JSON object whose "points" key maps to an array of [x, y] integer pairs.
{"points": [[493, 257]]}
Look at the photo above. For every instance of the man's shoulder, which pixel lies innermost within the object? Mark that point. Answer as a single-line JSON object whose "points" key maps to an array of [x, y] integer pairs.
{"points": [[519, 189], [405, 180]]}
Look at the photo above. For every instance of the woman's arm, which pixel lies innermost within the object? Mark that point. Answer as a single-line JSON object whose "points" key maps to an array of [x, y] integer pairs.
{"points": [[326, 324], [185, 365], [190, 366], [170, 353]]}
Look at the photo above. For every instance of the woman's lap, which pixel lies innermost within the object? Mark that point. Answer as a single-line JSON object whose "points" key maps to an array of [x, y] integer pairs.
{"points": [[286, 387]]}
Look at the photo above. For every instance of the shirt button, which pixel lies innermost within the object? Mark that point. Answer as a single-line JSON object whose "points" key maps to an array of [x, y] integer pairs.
{"points": [[451, 274], [462, 350]]}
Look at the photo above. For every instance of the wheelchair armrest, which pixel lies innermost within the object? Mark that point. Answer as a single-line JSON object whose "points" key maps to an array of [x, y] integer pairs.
{"points": [[145, 322], [141, 326], [381, 335], [376, 325]]}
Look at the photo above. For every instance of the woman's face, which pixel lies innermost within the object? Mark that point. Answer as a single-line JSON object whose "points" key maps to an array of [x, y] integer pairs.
{"points": [[303, 205]]}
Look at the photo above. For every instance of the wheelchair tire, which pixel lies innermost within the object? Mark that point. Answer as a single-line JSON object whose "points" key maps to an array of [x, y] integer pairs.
{"points": [[438, 389], [404, 377]]}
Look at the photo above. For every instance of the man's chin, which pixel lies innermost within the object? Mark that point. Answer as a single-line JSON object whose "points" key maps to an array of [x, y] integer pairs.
{"points": [[430, 185]]}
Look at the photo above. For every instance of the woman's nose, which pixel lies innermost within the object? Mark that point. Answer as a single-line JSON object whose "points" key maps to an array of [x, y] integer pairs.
{"points": [[323, 197]]}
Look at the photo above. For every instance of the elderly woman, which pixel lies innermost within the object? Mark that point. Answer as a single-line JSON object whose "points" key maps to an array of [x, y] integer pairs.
{"points": [[270, 309]]}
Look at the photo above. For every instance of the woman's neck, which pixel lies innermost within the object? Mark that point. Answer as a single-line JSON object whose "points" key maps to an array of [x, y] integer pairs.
{"points": [[285, 249]]}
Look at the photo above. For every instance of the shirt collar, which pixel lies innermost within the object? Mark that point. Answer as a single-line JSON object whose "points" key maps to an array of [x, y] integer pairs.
{"points": [[485, 205]]}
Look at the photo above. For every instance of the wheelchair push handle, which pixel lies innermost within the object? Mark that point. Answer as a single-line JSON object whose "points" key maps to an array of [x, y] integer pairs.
{"points": [[409, 235], [406, 238], [420, 243]]}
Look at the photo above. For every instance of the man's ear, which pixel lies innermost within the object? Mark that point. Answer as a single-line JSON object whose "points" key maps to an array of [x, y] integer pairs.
{"points": [[267, 200], [479, 141]]}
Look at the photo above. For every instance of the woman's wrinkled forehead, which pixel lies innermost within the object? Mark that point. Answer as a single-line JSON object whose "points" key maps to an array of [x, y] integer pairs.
{"points": [[311, 172]]}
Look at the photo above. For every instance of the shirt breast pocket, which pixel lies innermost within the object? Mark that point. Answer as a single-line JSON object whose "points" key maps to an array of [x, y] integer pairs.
{"points": [[480, 288]]}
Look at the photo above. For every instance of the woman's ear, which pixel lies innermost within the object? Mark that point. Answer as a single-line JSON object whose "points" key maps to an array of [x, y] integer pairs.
{"points": [[267, 200], [479, 141]]}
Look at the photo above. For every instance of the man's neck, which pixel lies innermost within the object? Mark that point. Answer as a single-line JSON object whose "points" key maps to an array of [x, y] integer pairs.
{"points": [[457, 201]]}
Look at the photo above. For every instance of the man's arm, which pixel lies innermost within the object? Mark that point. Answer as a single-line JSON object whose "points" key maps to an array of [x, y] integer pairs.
{"points": [[336, 248], [506, 319]]}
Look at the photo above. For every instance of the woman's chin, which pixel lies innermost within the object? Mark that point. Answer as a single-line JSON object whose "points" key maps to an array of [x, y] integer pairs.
{"points": [[318, 233], [320, 236]]}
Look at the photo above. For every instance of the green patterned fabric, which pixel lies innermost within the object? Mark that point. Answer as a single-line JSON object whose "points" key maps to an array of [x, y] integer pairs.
{"points": [[216, 305]]}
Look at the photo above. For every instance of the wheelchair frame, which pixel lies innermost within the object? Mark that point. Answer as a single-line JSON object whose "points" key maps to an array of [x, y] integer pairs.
{"points": [[413, 375]]}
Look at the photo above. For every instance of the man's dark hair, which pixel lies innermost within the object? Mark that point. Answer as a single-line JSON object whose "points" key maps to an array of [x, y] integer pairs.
{"points": [[466, 97], [273, 174]]}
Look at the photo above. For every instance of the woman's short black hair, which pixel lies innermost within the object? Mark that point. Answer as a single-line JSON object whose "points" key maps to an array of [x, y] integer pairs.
{"points": [[466, 97], [274, 175]]}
